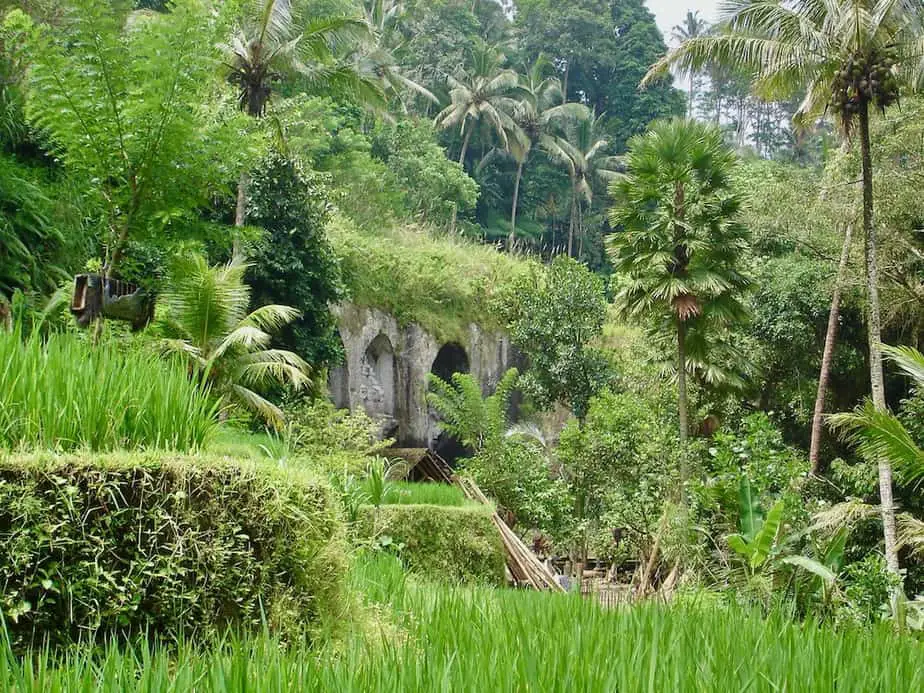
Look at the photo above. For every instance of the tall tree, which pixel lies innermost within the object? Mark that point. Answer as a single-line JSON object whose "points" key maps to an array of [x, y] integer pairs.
{"points": [[692, 26], [828, 354], [375, 58], [272, 41], [584, 154], [121, 105], [536, 116], [482, 92], [849, 58], [601, 48], [677, 250]]}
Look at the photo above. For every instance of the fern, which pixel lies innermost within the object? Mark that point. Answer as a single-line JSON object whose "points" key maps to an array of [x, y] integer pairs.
{"points": [[474, 420]]}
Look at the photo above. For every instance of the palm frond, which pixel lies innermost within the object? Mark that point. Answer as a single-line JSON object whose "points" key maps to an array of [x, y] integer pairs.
{"points": [[880, 435]]}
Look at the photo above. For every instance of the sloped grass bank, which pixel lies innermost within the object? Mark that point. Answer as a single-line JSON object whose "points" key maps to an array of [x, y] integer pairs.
{"points": [[117, 545], [457, 544], [442, 284], [483, 639]]}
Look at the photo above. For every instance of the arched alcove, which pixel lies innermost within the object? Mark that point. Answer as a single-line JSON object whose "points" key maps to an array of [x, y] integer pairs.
{"points": [[338, 379], [451, 358], [377, 378]]}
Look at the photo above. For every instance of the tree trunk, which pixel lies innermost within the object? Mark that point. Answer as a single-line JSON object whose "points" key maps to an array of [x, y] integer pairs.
{"points": [[571, 228], [240, 212], [580, 228], [875, 344], [692, 101], [830, 339], [513, 210], [564, 85], [465, 141], [682, 397], [455, 205]]}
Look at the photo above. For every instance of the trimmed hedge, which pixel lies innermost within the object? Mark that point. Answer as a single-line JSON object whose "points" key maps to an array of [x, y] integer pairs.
{"points": [[452, 543], [116, 545]]}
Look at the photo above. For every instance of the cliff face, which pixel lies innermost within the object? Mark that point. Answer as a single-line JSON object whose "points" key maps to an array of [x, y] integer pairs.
{"points": [[386, 367]]}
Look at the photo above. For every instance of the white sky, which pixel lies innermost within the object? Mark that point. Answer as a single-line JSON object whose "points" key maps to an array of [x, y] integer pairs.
{"points": [[669, 13]]}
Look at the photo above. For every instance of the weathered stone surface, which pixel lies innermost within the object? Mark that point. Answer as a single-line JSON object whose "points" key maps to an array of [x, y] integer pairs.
{"points": [[386, 367]]}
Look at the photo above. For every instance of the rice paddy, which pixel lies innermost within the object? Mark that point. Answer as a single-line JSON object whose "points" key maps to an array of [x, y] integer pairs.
{"points": [[440, 638]]}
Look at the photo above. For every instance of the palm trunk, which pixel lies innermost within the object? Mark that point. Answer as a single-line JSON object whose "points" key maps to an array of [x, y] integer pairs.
{"points": [[513, 211], [455, 206], [465, 141], [682, 397], [240, 211], [571, 229], [830, 339], [692, 101], [580, 229], [875, 344]]}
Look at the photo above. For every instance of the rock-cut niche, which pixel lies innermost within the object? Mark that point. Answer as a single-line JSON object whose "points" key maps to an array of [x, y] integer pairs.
{"points": [[450, 359], [377, 378]]}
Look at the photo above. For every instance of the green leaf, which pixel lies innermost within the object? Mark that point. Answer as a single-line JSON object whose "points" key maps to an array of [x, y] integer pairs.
{"points": [[763, 542], [812, 566], [740, 545], [750, 519]]}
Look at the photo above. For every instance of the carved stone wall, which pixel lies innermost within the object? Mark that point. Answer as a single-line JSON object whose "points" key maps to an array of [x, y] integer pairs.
{"points": [[386, 367]]}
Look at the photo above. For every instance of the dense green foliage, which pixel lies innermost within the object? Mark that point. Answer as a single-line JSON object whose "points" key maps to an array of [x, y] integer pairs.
{"points": [[114, 546], [292, 264], [552, 317], [404, 273], [115, 107], [64, 394], [451, 543]]}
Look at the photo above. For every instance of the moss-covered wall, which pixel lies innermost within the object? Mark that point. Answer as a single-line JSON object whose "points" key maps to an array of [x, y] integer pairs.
{"points": [[453, 543]]}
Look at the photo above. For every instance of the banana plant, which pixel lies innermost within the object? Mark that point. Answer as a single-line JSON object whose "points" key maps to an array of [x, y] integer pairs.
{"points": [[760, 545], [757, 539]]}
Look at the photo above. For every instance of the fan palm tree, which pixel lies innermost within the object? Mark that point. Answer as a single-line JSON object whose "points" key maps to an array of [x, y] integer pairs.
{"points": [[484, 92], [678, 248], [692, 26], [582, 152], [206, 309], [848, 58]]}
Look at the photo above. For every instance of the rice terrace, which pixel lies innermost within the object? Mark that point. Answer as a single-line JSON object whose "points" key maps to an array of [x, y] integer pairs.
{"points": [[461, 345]]}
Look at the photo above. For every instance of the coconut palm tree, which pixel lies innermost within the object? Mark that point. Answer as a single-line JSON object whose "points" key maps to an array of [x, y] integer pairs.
{"points": [[272, 42], [483, 92], [536, 116], [692, 26], [375, 57], [847, 58], [206, 316], [879, 434], [677, 251], [583, 153]]}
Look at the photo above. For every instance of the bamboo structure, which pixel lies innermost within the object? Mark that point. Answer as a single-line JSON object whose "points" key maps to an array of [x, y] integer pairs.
{"points": [[525, 567]]}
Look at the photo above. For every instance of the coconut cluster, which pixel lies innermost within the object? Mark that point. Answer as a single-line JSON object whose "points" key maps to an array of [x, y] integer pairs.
{"points": [[869, 78]]}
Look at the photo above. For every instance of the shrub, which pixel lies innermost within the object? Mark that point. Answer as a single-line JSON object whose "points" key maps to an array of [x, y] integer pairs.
{"points": [[293, 263], [457, 544], [114, 546], [515, 473], [65, 394]]}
